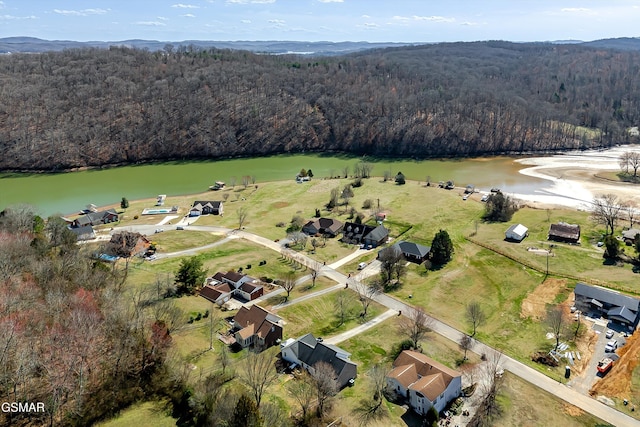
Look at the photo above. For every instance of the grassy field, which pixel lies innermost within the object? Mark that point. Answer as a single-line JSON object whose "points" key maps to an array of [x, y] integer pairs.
{"points": [[147, 414], [317, 316], [415, 213], [520, 408]]}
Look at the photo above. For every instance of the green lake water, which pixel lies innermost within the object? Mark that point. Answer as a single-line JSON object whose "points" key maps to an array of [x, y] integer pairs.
{"points": [[71, 191]]}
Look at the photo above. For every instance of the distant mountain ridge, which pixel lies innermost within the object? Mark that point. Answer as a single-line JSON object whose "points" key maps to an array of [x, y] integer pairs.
{"points": [[36, 45]]}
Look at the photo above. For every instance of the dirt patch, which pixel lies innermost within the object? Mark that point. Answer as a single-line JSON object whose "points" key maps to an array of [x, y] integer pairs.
{"points": [[279, 205], [617, 383], [571, 410], [534, 305], [585, 344]]}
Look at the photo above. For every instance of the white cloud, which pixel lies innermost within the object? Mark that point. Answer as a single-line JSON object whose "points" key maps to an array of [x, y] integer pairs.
{"points": [[365, 16], [185, 6], [16, 18], [162, 18], [331, 1], [251, 1], [277, 21], [151, 23], [83, 12], [433, 18], [575, 9], [370, 25], [188, 15], [1, 5], [246, 21]]}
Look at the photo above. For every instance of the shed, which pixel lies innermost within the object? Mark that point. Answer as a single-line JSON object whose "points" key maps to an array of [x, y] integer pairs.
{"points": [[516, 233]]}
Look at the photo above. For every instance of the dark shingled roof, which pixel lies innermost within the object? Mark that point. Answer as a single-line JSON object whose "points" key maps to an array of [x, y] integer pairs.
{"points": [[607, 296]]}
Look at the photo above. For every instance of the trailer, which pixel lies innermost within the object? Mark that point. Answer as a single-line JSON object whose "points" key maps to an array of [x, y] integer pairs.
{"points": [[605, 365]]}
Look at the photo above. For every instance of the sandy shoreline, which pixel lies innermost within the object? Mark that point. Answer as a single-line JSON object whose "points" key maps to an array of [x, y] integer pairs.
{"points": [[572, 180]]}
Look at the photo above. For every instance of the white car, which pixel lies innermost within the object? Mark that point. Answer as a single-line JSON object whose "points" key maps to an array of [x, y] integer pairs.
{"points": [[362, 265], [611, 346], [609, 334]]}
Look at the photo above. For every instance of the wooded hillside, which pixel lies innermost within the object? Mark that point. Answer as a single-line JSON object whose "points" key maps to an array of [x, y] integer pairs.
{"points": [[93, 107]]}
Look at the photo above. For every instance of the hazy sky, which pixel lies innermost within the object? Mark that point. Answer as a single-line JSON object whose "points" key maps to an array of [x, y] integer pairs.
{"points": [[314, 20]]}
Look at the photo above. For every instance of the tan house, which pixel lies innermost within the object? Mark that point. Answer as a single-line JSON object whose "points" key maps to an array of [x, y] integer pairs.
{"points": [[423, 382]]}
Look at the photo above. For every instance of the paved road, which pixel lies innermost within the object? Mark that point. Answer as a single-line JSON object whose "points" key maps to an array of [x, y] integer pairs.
{"points": [[523, 371]]}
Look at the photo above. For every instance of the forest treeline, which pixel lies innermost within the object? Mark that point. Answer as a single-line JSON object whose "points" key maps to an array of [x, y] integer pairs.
{"points": [[91, 107]]}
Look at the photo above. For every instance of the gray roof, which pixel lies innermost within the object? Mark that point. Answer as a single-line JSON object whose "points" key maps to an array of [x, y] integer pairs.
{"points": [[308, 350], [630, 234], [607, 296], [377, 234], [622, 313]]}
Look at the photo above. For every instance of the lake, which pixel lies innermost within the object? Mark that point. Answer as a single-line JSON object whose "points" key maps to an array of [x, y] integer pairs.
{"points": [[71, 191]]}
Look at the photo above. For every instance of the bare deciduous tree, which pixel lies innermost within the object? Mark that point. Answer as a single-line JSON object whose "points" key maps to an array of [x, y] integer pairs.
{"points": [[372, 408], [314, 271], [391, 265], [606, 209], [465, 344], [367, 293], [242, 213], [490, 385], [475, 316], [342, 305], [258, 373], [556, 321], [415, 325], [289, 284], [325, 384], [302, 390], [631, 209]]}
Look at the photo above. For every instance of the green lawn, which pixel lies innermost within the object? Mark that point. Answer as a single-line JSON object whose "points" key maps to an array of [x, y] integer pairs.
{"points": [[146, 414], [317, 316]]}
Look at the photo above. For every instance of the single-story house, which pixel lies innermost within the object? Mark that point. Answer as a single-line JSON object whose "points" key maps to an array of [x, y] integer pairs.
{"points": [[563, 232], [203, 207], [306, 351], [127, 244], [412, 251], [516, 233], [96, 218], [257, 327], [613, 305], [327, 226], [85, 232], [629, 236], [423, 381]]}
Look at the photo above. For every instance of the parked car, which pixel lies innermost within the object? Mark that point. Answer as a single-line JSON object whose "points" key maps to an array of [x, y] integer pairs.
{"points": [[159, 230], [609, 334], [611, 346], [151, 257], [179, 227], [484, 198], [465, 197], [362, 265]]}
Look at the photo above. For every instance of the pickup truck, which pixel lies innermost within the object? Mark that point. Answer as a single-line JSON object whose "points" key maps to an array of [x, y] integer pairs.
{"points": [[604, 365], [611, 346]]}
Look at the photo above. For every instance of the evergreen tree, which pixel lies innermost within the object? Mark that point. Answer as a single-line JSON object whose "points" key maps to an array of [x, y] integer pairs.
{"points": [[246, 413], [499, 208], [441, 248], [400, 180], [189, 275], [124, 203]]}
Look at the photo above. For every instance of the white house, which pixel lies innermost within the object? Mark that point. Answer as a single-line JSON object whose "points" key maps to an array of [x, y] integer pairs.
{"points": [[516, 232], [423, 381]]}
